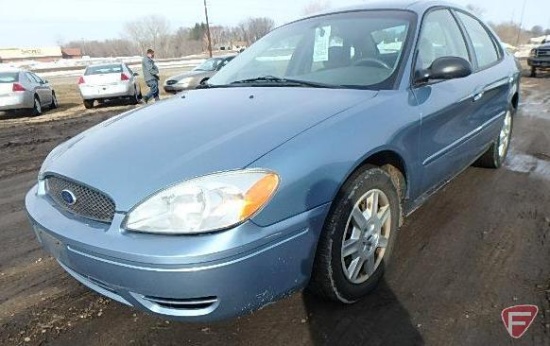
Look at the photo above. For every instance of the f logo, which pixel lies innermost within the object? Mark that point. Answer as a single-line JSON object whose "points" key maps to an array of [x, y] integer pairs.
{"points": [[517, 319]]}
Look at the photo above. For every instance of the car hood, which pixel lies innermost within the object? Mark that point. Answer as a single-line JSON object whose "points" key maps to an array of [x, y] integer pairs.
{"points": [[136, 154], [196, 74]]}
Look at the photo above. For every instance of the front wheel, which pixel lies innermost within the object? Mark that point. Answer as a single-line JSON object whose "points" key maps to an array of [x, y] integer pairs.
{"points": [[358, 237], [496, 154], [54, 103], [135, 98], [37, 107], [533, 72]]}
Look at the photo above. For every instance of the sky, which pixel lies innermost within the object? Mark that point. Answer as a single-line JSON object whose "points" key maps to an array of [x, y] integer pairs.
{"points": [[40, 23]]}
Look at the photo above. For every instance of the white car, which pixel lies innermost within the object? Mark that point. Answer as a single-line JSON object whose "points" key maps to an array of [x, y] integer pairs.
{"points": [[23, 90], [109, 82]]}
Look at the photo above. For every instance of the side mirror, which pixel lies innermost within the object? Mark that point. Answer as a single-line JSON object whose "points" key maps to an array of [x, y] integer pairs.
{"points": [[204, 81], [46, 81], [136, 74], [445, 68]]}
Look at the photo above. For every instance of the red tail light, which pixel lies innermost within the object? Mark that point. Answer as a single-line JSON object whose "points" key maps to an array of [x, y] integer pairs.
{"points": [[123, 76], [17, 87], [81, 80]]}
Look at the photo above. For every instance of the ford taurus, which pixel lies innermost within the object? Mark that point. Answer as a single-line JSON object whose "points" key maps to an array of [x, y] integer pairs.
{"points": [[292, 168]]}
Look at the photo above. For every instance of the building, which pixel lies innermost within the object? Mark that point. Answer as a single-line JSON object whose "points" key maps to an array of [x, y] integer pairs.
{"points": [[71, 53], [47, 54]]}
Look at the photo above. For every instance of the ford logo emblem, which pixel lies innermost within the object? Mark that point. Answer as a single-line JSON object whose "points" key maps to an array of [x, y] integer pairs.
{"points": [[68, 197]]}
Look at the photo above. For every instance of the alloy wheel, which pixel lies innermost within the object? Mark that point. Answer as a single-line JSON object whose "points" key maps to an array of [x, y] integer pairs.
{"points": [[366, 237]]}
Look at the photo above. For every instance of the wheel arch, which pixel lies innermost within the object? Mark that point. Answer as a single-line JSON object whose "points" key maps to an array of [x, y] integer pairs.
{"points": [[515, 100], [389, 160]]}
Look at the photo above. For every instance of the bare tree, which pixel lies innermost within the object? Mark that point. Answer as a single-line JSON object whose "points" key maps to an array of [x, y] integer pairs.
{"points": [[537, 30], [182, 44], [508, 32], [150, 32], [255, 28], [315, 6]]}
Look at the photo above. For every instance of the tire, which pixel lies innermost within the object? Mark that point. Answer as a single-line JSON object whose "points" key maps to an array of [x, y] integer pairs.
{"points": [[54, 103], [368, 240], [533, 72], [89, 104], [495, 156], [37, 108], [135, 98]]}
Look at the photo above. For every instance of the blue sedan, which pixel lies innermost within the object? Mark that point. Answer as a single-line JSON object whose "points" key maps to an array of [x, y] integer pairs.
{"points": [[292, 168]]}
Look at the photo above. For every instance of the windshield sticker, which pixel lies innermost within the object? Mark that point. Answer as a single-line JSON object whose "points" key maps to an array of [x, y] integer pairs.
{"points": [[322, 41]]}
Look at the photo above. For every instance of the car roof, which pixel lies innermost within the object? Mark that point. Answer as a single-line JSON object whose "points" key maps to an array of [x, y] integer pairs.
{"points": [[11, 69], [417, 6], [105, 64]]}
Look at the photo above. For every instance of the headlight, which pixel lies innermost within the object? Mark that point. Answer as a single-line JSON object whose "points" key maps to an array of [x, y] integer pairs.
{"points": [[206, 204], [533, 53]]}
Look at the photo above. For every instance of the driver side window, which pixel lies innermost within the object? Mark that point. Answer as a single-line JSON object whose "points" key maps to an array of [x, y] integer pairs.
{"points": [[440, 37]]}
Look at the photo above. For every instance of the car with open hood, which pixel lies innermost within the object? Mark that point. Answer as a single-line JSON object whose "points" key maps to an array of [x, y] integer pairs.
{"points": [[291, 168]]}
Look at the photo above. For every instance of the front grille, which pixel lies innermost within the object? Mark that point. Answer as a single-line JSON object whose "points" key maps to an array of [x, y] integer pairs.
{"points": [[171, 82], [543, 53], [88, 203]]}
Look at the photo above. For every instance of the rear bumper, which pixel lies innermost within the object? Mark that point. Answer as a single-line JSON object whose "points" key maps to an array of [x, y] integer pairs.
{"points": [[106, 91], [15, 101], [203, 287]]}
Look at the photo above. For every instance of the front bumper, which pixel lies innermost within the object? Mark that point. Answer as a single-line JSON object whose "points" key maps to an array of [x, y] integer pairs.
{"points": [[105, 92], [15, 101], [539, 62], [176, 88], [191, 278]]}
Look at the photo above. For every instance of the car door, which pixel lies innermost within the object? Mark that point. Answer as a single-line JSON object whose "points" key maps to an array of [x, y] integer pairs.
{"points": [[493, 80], [42, 89], [448, 107]]}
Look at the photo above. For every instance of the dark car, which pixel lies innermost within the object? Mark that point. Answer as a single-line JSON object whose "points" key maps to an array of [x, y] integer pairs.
{"points": [[200, 74], [293, 167], [539, 59]]}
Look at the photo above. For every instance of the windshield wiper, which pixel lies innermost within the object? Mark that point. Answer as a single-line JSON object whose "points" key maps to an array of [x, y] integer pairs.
{"points": [[284, 82]]}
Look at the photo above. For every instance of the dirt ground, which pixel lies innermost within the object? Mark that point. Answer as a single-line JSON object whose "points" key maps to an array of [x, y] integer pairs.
{"points": [[480, 245]]}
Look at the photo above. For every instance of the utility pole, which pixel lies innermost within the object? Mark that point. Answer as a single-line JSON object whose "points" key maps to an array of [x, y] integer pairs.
{"points": [[208, 30], [520, 23]]}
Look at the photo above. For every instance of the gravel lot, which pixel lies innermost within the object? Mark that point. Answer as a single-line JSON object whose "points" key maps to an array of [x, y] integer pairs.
{"points": [[480, 245]]}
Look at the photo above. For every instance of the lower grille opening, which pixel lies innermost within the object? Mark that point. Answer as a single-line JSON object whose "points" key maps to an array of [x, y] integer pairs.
{"points": [[101, 284], [183, 304]]}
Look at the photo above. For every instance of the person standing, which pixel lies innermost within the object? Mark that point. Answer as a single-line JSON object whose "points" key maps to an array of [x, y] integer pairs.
{"points": [[151, 76]]}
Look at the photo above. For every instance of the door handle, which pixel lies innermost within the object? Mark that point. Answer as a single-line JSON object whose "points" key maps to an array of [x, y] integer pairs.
{"points": [[479, 96]]}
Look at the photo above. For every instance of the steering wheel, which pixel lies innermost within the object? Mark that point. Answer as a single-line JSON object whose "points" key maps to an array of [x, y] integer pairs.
{"points": [[371, 62]]}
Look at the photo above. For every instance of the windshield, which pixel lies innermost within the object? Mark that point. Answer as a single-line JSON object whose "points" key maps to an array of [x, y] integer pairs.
{"points": [[361, 49], [9, 77], [209, 65], [103, 69]]}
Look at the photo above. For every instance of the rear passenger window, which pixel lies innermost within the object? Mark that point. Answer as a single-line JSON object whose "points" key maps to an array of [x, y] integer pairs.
{"points": [[440, 37], [484, 45]]}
